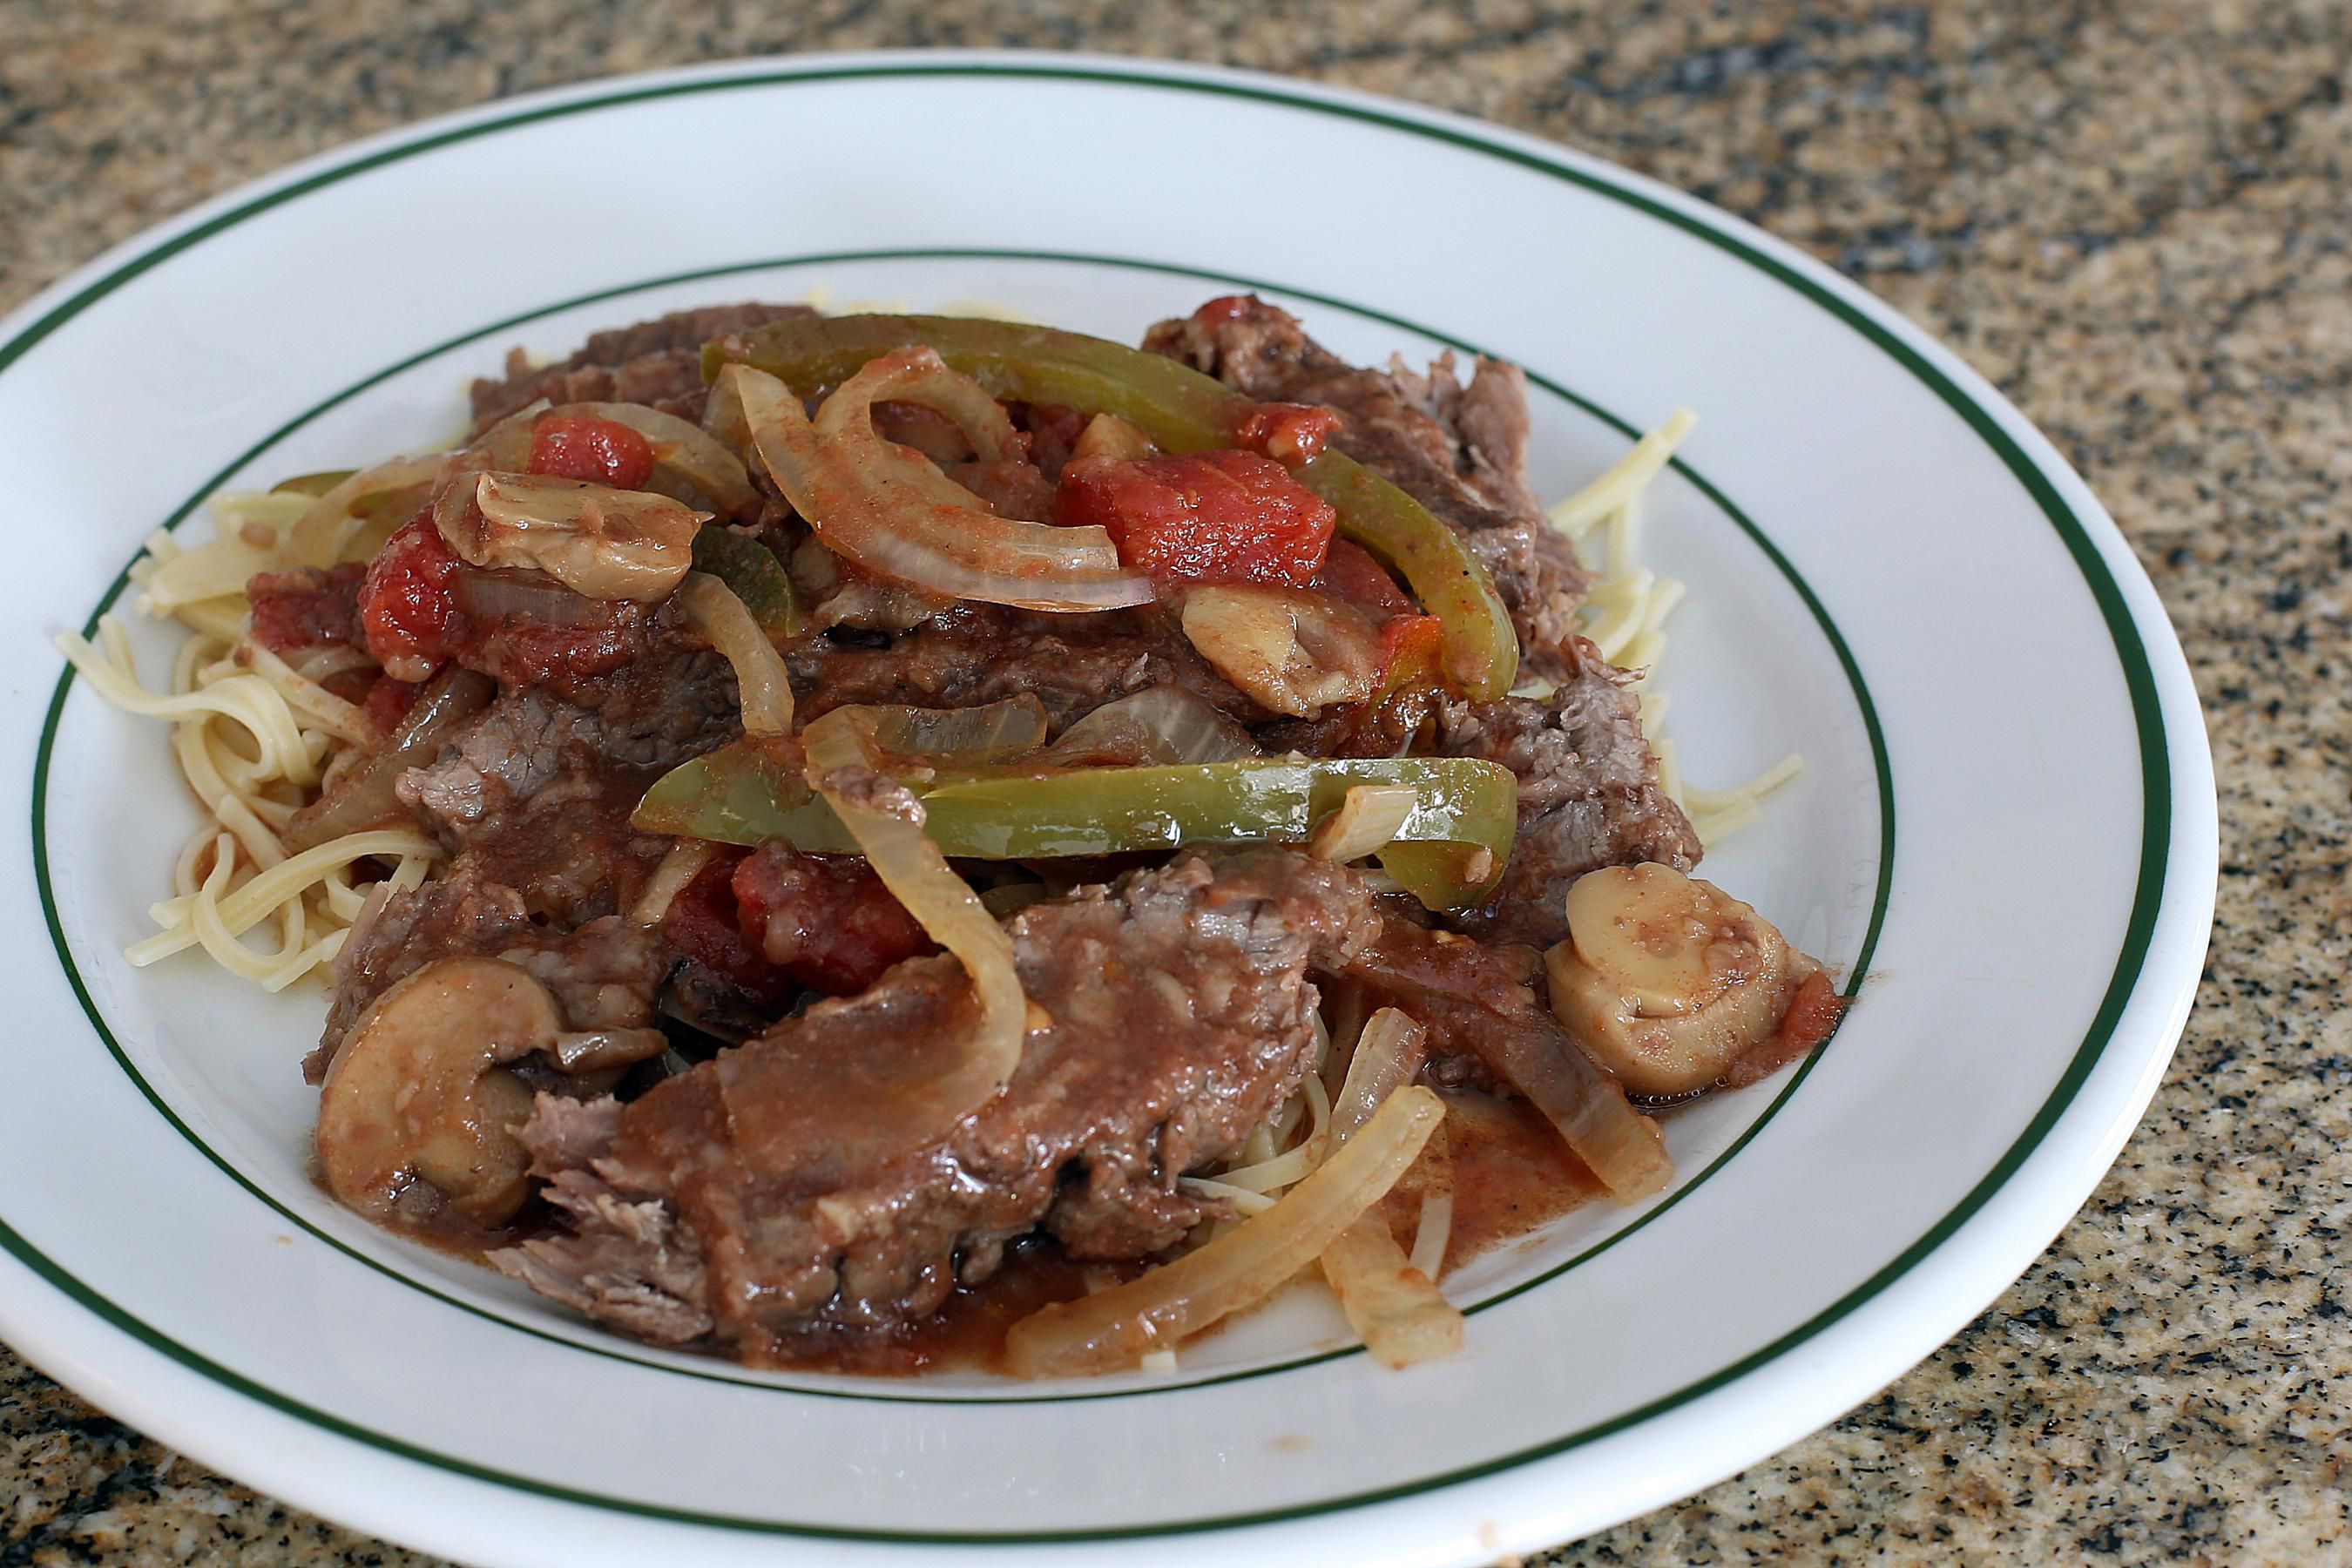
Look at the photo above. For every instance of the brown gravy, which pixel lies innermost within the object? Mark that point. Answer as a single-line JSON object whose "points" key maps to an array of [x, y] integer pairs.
{"points": [[1511, 1176]]}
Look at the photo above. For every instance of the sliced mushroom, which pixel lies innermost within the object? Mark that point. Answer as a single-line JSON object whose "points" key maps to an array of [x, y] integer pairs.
{"points": [[1665, 980], [599, 542], [419, 1090], [1290, 649]]}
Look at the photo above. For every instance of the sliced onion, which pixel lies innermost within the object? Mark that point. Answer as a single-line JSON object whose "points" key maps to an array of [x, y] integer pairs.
{"points": [[689, 463], [606, 542], [1585, 1104], [328, 526], [1389, 1300], [887, 822], [1292, 650], [504, 447], [365, 795], [682, 865], [1387, 1055], [1475, 1011], [533, 596], [1367, 819], [1117, 1327], [1436, 1228], [1394, 1305], [1160, 725], [898, 517], [764, 689]]}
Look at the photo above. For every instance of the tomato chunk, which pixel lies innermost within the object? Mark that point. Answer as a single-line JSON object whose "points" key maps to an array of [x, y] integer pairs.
{"points": [[825, 920], [1350, 573], [389, 700], [1412, 649], [1206, 517], [405, 607], [602, 451], [1287, 432], [705, 924]]}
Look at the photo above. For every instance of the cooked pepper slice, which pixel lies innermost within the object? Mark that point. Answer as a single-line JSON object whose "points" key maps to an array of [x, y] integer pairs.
{"points": [[1448, 852], [751, 570], [1182, 411]]}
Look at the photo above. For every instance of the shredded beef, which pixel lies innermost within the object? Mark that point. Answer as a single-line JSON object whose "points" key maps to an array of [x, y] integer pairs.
{"points": [[532, 799], [1459, 450], [1589, 793], [1177, 1010], [975, 653], [603, 975], [536, 793], [658, 363]]}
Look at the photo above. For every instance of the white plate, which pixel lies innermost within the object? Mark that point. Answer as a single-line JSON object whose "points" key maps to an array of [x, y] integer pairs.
{"points": [[1890, 572]]}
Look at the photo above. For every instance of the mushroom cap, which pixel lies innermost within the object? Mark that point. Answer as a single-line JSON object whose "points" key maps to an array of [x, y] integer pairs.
{"points": [[419, 1092]]}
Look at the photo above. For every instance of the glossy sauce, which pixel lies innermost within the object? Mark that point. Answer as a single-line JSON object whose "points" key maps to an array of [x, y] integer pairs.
{"points": [[1511, 1175]]}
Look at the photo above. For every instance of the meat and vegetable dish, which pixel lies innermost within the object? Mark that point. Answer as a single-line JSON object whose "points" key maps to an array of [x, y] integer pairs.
{"points": [[824, 832]]}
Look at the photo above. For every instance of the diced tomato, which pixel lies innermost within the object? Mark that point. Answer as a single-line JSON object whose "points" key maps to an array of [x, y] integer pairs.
{"points": [[1350, 573], [705, 924], [826, 920], [1413, 650], [306, 609], [1287, 432], [1207, 516], [389, 700], [582, 447], [1812, 1016], [405, 608]]}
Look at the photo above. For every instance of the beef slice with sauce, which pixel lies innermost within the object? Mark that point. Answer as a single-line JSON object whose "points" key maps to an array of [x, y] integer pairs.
{"points": [[656, 363], [1459, 449], [972, 654], [1180, 1015], [1589, 793], [533, 797]]}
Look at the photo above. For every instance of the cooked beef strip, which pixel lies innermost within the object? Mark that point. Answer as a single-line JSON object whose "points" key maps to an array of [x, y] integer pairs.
{"points": [[658, 363], [1459, 450], [538, 791], [974, 653], [603, 974], [1180, 1015], [533, 797], [1589, 794], [1486, 1020]]}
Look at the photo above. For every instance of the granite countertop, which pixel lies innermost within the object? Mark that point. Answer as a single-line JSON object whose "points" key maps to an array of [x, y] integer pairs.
{"points": [[2133, 218]]}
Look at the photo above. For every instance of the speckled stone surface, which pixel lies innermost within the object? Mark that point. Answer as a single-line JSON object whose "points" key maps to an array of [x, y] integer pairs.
{"points": [[2134, 217]]}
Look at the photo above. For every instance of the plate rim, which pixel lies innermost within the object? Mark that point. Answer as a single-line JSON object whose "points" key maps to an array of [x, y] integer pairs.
{"points": [[2174, 828]]}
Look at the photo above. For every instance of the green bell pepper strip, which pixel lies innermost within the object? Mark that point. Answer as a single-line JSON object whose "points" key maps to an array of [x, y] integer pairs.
{"points": [[1449, 851], [1182, 411], [751, 570]]}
